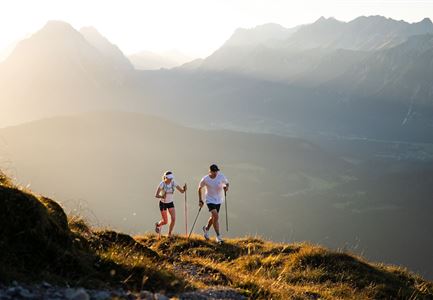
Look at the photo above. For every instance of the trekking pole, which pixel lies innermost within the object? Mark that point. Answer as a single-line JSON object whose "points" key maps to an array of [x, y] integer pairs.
{"points": [[192, 228], [186, 216], [227, 217]]}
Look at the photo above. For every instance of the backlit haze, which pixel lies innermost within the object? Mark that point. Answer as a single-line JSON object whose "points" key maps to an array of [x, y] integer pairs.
{"points": [[194, 27], [320, 113]]}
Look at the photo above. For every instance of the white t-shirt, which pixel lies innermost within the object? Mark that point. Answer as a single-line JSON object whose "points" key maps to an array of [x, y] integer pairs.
{"points": [[167, 190], [214, 188]]}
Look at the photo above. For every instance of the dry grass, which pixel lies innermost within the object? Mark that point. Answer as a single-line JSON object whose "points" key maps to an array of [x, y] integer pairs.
{"points": [[264, 270]]}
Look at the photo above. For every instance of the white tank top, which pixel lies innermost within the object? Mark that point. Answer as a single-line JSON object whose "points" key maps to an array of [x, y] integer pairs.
{"points": [[167, 190]]}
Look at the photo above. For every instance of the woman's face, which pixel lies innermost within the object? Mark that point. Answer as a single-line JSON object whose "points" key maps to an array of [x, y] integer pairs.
{"points": [[167, 180]]}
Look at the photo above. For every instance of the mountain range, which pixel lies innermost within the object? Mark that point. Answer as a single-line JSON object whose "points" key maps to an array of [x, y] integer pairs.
{"points": [[373, 70], [330, 50]]}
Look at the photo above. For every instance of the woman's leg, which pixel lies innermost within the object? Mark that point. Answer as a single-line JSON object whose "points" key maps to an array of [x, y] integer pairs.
{"points": [[164, 219], [172, 212]]}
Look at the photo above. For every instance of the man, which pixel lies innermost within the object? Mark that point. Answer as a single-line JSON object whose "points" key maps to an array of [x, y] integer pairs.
{"points": [[215, 182]]}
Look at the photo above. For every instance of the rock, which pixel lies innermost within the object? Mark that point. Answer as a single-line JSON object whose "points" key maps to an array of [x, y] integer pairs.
{"points": [[130, 296], [25, 293], [222, 293], [13, 291], [79, 294], [19, 292], [102, 295], [58, 294], [146, 295], [161, 297]]}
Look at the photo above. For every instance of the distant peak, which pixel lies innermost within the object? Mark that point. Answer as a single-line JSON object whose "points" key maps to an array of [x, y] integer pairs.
{"points": [[57, 25], [379, 17], [373, 18], [322, 19], [57, 28], [270, 25], [426, 21], [89, 29]]}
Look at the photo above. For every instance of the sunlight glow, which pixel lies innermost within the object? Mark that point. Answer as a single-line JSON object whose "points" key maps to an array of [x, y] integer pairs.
{"points": [[195, 27]]}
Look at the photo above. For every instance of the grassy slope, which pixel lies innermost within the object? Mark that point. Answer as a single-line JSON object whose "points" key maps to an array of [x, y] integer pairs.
{"points": [[39, 242]]}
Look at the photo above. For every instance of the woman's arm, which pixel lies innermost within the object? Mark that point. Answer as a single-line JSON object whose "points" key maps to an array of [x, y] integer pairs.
{"points": [[181, 189], [157, 195]]}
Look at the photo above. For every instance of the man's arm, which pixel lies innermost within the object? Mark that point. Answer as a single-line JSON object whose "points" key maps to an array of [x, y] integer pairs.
{"points": [[200, 200], [226, 182]]}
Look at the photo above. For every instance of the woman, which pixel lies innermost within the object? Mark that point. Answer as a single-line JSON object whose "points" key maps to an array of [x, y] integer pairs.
{"points": [[165, 193]]}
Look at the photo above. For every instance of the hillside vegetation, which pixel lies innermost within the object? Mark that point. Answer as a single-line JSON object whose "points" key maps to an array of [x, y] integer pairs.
{"points": [[39, 242]]}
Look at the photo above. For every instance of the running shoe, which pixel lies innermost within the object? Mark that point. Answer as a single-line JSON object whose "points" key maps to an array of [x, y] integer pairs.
{"points": [[205, 233], [219, 239]]}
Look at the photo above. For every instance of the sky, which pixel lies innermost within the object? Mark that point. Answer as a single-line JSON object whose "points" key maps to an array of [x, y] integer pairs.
{"points": [[194, 27]]}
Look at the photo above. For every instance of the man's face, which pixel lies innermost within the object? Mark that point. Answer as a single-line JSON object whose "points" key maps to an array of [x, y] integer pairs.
{"points": [[213, 173]]}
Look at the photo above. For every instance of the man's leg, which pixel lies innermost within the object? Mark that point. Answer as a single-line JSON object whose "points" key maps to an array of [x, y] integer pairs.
{"points": [[209, 222], [214, 221]]}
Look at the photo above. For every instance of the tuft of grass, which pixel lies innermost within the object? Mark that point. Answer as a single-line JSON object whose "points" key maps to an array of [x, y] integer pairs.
{"points": [[4, 180], [79, 225]]}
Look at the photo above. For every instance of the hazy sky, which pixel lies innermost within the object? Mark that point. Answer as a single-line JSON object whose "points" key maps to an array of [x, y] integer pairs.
{"points": [[195, 27]]}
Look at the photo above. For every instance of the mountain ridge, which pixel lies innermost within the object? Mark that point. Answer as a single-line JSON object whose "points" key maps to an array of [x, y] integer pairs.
{"points": [[56, 70], [68, 78], [109, 50]]}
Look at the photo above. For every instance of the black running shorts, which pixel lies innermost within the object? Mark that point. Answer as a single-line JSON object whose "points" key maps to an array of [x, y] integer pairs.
{"points": [[212, 206], [165, 206]]}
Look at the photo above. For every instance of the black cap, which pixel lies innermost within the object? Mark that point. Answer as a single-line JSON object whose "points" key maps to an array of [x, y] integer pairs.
{"points": [[214, 168]]}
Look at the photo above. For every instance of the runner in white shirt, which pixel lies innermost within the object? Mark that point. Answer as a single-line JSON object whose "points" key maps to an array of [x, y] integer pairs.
{"points": [[214, 183], [165, 193]]}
